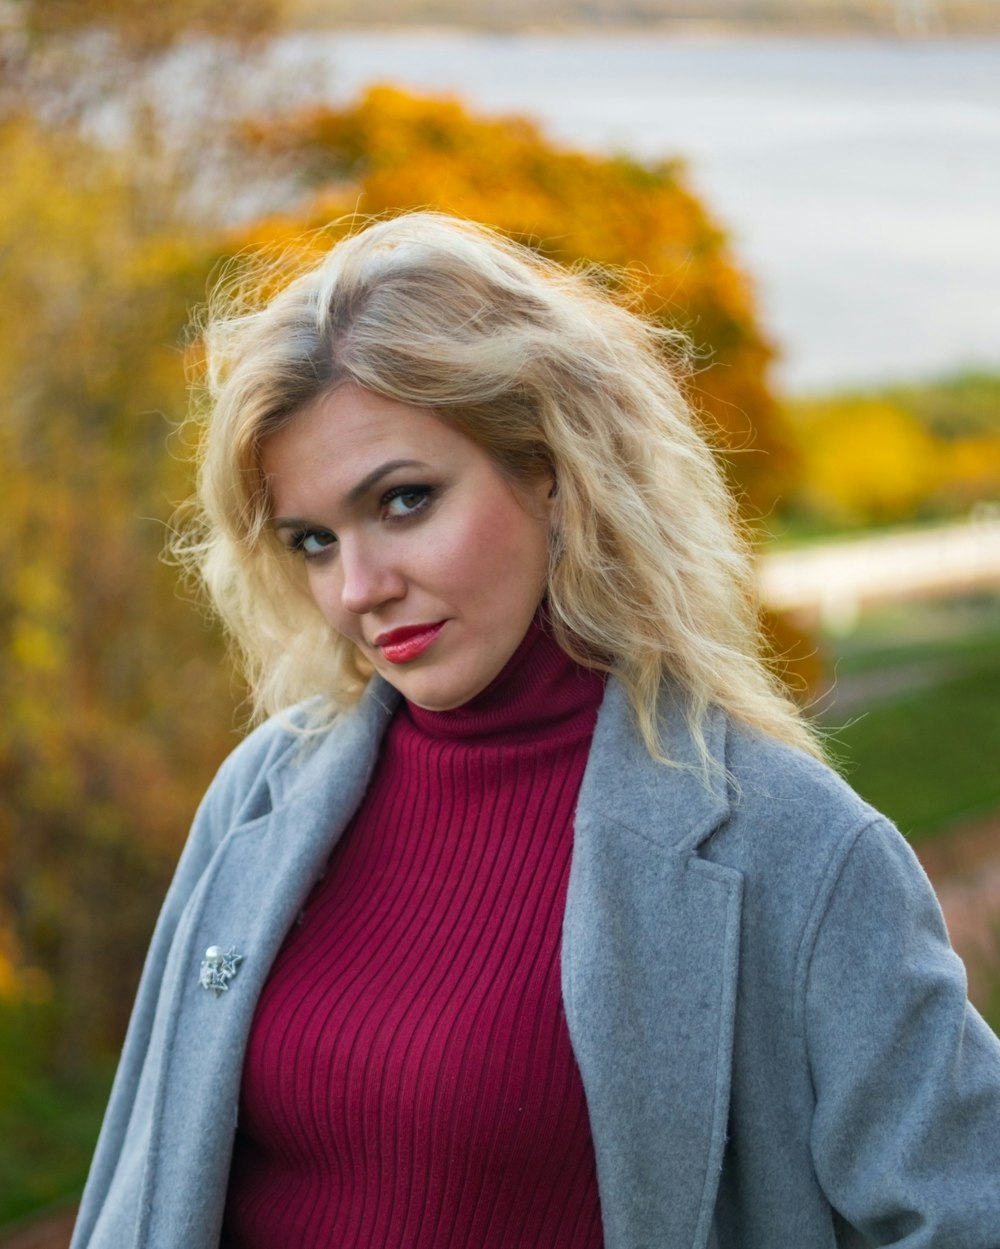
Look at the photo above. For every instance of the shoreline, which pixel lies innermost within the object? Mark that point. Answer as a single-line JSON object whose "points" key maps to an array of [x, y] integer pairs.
{"points": [[679, 29]]}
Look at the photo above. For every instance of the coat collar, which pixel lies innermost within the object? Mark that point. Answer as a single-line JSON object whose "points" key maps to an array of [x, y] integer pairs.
{"points": [[676, 807]]}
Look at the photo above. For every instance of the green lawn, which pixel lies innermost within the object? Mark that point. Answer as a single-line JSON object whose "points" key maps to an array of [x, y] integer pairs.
{"points": [[47, 1126], [930, 759], [927, 755]]}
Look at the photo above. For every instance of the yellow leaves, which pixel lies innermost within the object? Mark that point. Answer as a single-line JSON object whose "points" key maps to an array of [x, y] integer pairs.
{"points": [[9, 985], [34, 647], [871, 460], [23, 984], [84, 291], [38, 591], [876, 460], [18, 981], [970, 467], [38, 614], [393, 151], [93, 638]]}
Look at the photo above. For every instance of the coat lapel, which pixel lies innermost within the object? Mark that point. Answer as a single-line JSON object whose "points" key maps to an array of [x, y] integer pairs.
{"points": [[650, 948], [258, 881]]}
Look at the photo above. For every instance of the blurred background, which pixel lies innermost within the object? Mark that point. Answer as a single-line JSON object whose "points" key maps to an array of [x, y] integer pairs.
{"points": [[809, 188]]}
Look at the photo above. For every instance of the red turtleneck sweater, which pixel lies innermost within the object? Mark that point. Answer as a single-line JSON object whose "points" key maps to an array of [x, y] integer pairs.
{"points": [[409, 1081]]}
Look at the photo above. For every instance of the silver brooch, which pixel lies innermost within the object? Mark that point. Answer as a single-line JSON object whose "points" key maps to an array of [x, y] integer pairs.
{"points": [[218, 967]]}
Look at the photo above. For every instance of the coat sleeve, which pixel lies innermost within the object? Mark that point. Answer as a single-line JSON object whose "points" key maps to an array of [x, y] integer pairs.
{"points": [[906, 1131], [238, 786]]}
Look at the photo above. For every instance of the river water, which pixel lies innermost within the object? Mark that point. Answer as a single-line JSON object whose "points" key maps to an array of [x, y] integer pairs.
{"points": [[859, 178]]}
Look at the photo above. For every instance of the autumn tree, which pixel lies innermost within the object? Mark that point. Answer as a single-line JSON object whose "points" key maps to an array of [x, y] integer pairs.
{"points": [[898, 454], [148, 29], [659, 246], [111, 696]]}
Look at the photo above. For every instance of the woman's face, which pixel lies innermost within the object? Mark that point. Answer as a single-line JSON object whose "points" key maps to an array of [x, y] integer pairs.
{"points": [[416, 548]]}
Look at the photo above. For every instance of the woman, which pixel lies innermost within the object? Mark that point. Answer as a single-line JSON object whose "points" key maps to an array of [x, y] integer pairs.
{"points": [[539, 921]]}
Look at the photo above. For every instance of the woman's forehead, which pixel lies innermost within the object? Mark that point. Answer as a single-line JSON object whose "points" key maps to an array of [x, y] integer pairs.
{"points": [[343, 445]]}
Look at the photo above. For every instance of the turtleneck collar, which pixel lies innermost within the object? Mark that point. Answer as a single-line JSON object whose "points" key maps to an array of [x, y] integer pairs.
{"points": [[540, 692]]}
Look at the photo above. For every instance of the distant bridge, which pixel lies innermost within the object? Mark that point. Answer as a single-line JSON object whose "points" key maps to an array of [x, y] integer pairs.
{"points": [[831, 582]]}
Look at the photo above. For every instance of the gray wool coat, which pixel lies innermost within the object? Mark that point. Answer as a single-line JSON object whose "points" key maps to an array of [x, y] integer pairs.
{"points": [[772, 1030]]}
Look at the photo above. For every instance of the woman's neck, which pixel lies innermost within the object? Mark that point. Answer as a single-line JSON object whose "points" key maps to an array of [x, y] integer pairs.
{"points": [[540, 692]]}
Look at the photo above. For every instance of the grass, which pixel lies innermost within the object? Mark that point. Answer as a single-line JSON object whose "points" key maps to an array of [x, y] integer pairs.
{"points": [[929, 756], [929, 760], [48, 1125]]}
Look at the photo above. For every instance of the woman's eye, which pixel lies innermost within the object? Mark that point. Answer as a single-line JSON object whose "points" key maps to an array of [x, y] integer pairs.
{"points": [[403, 501], [312, 542]]}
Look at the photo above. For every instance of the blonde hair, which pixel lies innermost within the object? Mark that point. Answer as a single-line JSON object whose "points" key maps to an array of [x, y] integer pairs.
{"points": [[650, 576]]}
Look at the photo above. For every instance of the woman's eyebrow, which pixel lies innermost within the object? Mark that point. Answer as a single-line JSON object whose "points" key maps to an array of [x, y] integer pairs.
{"points": [[356, 492]]}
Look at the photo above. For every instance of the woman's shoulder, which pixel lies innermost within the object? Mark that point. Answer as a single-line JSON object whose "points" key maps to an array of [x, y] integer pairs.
{"points": [[778, 783], [738, 780], [268, 744], [295, 749], [258, 770], [795, 824]]}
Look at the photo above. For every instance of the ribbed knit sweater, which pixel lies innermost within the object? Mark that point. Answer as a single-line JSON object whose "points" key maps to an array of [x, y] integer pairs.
{"points": [[409, 1081]]}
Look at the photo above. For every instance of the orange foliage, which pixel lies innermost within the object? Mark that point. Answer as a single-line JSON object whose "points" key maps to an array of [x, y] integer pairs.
{"points": [[970, 470], [393, 151]]}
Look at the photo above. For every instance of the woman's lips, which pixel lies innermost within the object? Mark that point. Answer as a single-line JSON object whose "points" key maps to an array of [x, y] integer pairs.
{"points": [[399, 646]]}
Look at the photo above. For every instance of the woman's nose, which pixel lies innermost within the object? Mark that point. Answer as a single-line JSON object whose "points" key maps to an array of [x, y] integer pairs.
{"points": [[368, 578]]}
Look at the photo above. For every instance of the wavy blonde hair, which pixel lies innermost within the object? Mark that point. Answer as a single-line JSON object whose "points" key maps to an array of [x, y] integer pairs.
{"points": [[650, 575]]}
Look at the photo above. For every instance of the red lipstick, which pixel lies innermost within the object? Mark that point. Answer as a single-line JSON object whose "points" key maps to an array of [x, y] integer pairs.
{"points": [[399, 646]]}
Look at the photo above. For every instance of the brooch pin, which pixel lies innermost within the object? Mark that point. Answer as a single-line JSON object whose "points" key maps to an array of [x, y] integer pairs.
{"points": [[218, 967]]}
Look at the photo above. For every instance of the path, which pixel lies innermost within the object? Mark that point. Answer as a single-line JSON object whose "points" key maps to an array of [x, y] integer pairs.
{"points": [[47, 1231], [832, 580]]}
